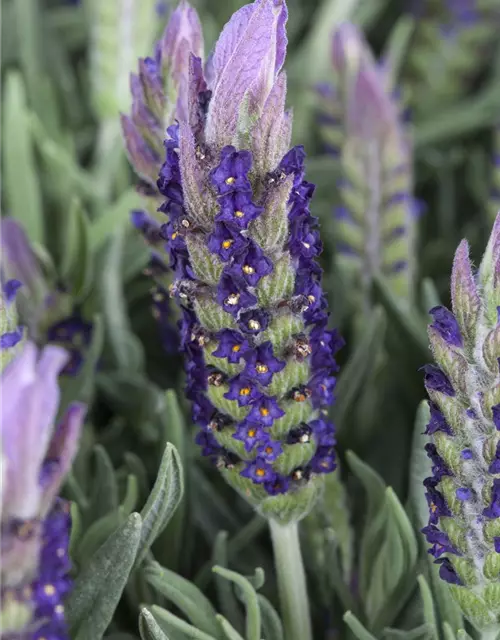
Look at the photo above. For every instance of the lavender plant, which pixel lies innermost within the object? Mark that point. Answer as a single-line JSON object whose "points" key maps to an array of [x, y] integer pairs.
{"points": [[463, 491], [242, 245], [364, 125], [36, 456]]}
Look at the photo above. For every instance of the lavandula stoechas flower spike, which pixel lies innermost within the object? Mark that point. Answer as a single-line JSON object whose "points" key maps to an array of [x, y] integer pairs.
{"points": [[120, 31], [259, 358], [363, 124], [464, 389], [35, 524]]}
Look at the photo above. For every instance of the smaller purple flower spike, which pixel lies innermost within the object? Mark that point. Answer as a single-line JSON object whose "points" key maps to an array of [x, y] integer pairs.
{"points": [[35, 523], [463, 492]]}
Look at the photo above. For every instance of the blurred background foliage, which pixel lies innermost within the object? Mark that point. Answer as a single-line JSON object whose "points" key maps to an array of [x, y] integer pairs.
{"points": [[66, 178]]}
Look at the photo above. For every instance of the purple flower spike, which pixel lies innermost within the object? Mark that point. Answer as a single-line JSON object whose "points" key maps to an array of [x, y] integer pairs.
{"points": [[242, 245], [463, 492]]}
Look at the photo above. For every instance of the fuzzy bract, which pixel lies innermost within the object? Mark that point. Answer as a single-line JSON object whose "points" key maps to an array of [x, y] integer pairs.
{"points": [[463, 491]]}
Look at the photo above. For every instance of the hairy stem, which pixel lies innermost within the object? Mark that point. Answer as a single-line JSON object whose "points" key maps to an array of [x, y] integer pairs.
{"points": [[291, 581]]}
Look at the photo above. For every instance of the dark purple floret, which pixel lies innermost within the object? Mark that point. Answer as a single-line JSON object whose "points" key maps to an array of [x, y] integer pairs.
{"points": [[74, 334], [439, 540], [232, 172], [439, 468], [496, 416], [226, 241], [323, 460], [269, 450], [262, 364], [259, 471], [232, 345], [243, 390], [436, 501], [11, 338], [466, 454], [264, 412], [249, 434], [233, 294], [277, 486], [436, 380], [447, 572], [207, 442], [437, 421], [251, 264], [10, 289], [493, 511], [496, 542], [238, 209], [495, 463], [253, 322], [446, 325]]}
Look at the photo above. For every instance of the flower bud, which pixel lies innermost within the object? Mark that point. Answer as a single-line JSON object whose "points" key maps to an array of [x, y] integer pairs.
{"points": [[464, 490], [363, 124], [243, 245]]}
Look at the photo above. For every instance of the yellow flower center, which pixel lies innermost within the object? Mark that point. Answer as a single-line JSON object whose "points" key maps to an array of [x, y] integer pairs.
{"points": [[260, 472], [232, 299], [239, 214], [245, 391], [230, 180], [261, 368], [248, 269], [253, 325], [236, 348], [226, 244], [264, 412]]}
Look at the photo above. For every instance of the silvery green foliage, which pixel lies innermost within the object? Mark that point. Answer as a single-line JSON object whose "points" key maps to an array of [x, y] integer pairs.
{"points": [[463, 492], [364, 125], [242, 245], [120, 31], [453, 44]]}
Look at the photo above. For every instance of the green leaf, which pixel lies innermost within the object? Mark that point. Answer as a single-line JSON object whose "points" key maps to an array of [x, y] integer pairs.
{"points": [[23, 198], [419, 633], [430, 294], [420, 466], [354, 374], [405, 529], [448, 632], [163, 500], [397, 47], [116, 217], [253, 621], [271, 622], [184, 595], [98, 588], [191, 632], [357, 628], [229, 631], [77, 264], [225, 594], [149, 628], [125, 346], [428, 607], [104, 494]]}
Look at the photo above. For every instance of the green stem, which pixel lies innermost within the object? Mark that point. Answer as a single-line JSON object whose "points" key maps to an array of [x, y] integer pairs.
{"points": [[291, 581]]}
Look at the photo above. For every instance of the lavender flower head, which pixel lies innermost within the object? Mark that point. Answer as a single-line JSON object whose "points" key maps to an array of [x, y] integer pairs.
{"points": [[364, 125], [35, 523], [464, 389], [243, 246]]}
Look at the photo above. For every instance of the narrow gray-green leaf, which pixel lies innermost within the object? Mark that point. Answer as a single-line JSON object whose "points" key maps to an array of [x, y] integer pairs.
{"points": [[23, 198], [357, 628], [98, 588], [116, 217], [271, 622], [228, 629], [163, 499], [253, 621], [191, 632], [149, 628], [428, 606], [184, 595]]}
